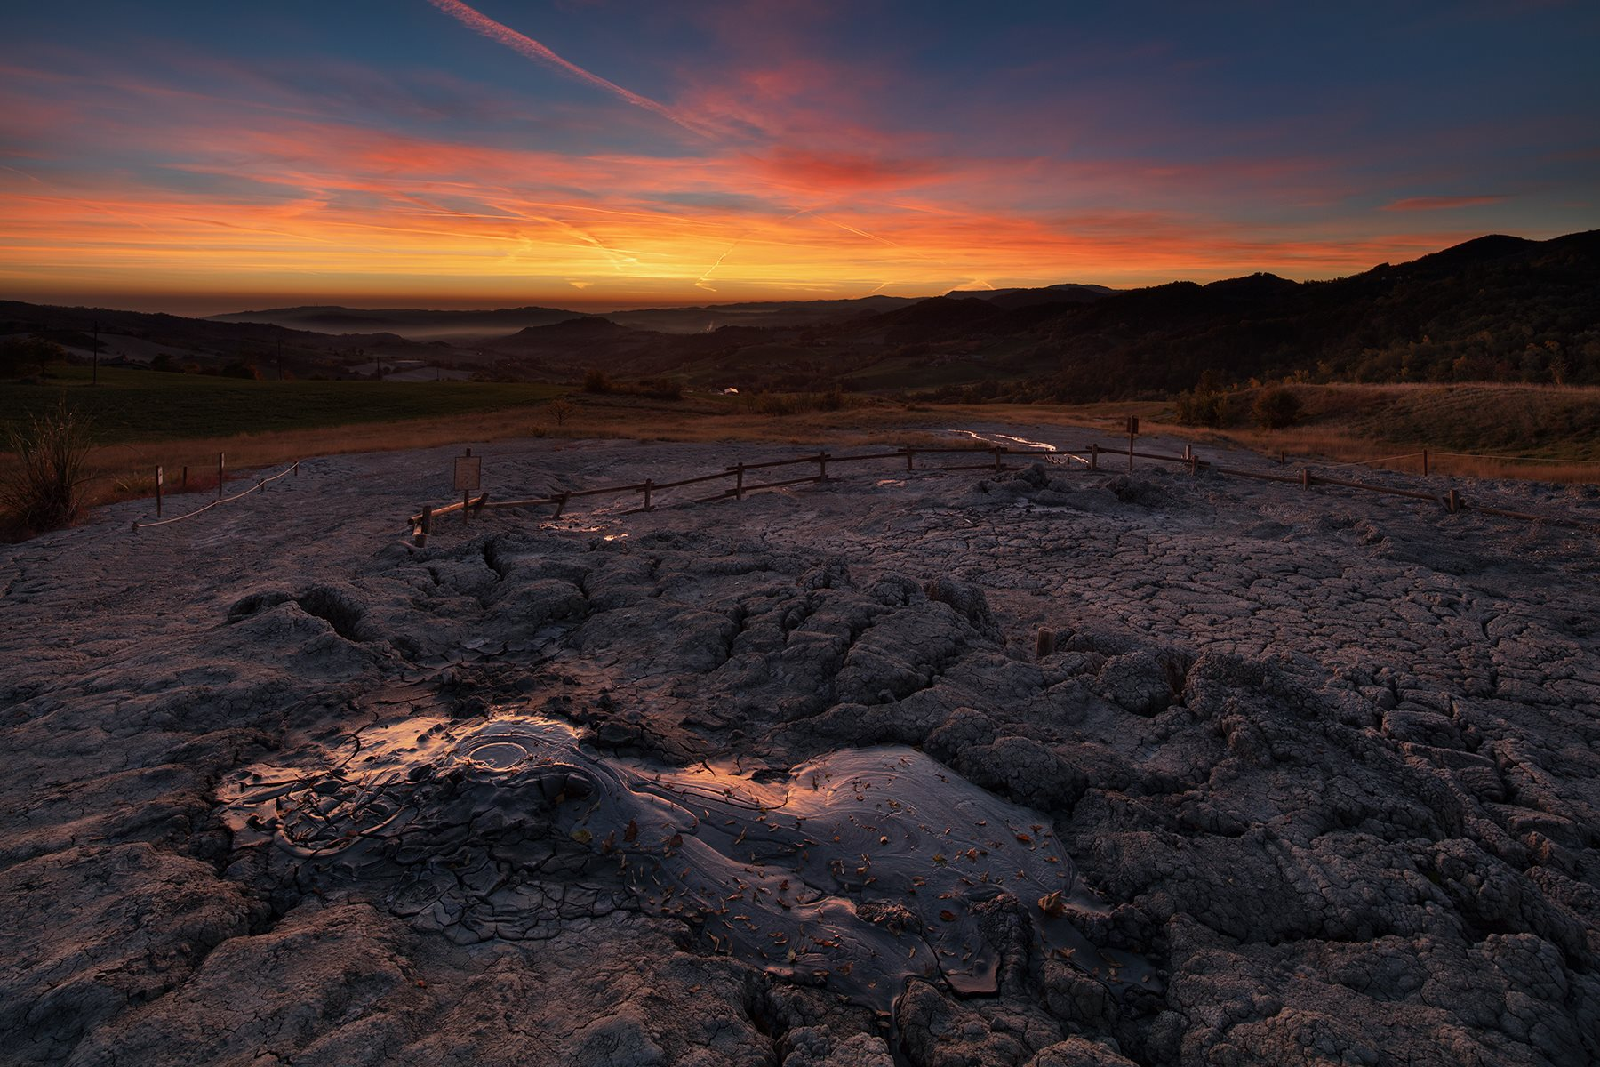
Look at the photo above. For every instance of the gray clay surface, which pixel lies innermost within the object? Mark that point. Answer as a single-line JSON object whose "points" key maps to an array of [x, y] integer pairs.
{"points": [[1299, 778]]}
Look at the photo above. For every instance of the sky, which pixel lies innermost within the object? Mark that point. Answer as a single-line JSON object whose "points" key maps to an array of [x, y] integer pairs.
{"points": [[198, 157]]}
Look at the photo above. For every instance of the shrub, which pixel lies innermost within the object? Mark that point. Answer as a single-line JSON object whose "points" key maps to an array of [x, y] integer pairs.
{"points": [[662, 389], [20, 357], [595, 380], [1276, 408], [561, 410], [46, 492], [1202, 408], [241, 369]]}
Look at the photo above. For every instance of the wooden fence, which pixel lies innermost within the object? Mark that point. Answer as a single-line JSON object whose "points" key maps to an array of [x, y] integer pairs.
{"points": [[222, 480], [422, 522], [1451, 500]]}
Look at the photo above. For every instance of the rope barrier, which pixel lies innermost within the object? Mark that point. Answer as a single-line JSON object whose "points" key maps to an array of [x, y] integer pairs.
{"points": [[1381, 459], [1506, 459], [261, 483]]}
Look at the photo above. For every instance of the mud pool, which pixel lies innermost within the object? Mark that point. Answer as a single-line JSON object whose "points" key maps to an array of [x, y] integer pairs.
{"points": [[852, 871]]}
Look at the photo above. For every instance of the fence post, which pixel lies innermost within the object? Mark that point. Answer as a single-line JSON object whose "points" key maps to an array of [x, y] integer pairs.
{"points": [[1305, 477], [297, 468], [222, 472], [1094, 457], [1194, 462], [997, 450], [561, 504], [466, 498], [822, 466], [1283, 458], [425, 526], [1454, 502], [738, 481], [910, 452], [185, 477], [1424, 462], [649, 487]]}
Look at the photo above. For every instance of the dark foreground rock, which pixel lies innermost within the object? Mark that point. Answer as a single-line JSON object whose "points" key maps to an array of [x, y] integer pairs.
{"points": [[1319, 780]]}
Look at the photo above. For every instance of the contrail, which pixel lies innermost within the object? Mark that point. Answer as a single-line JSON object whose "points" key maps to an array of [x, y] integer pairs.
{"points": [[527, 46]]}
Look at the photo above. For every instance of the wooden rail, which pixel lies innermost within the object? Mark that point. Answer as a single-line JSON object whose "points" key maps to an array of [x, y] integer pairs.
{"points": [[422, 522], [1452, 500]]}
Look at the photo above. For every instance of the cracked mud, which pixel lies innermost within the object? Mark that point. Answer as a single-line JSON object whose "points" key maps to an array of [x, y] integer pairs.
{"points": [[1290, 778]]}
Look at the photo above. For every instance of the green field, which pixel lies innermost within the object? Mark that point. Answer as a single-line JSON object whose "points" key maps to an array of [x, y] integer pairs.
{"points": [[136, 405]]}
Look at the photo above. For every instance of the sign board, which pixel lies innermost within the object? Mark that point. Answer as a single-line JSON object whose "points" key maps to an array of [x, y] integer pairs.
{"points": [[469, 473], [1133, 425]]}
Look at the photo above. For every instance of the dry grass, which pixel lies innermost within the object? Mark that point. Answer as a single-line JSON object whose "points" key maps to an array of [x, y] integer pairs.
{"points": [[1559, 428]]}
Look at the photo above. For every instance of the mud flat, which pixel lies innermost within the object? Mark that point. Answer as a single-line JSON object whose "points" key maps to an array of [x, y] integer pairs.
{"points": [[1291, 777]]}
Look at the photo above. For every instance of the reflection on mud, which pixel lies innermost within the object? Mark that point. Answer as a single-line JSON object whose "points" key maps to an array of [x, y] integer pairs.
{"points": [[852, 871]]}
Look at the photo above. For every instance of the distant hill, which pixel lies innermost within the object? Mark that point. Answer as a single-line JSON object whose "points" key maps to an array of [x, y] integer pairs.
{"points": [[205, 342], [414, 323], [424, 324], [1494, 308]]}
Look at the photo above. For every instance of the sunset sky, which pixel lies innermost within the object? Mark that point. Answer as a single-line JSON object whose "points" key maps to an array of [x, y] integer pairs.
{"points": [[207, 156]]}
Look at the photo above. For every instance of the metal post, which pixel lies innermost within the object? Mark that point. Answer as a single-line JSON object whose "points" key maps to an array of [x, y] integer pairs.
{"points": [[159, 479]]}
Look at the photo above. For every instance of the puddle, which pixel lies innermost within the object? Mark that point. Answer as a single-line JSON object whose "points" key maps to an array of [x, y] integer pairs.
{"points": [[995, 438], [852, 871]]}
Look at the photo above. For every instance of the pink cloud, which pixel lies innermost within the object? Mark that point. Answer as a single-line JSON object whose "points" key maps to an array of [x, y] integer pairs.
{"points": [[1440, 203]]}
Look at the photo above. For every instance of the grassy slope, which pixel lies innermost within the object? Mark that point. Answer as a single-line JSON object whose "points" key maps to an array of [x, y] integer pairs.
{"points": [[135, 405], [186, 420]]}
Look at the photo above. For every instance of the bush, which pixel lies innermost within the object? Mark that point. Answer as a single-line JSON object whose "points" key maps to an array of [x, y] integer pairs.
{"points": [[662, 389], [596, 381], [46, 492], [241, 369], [23, 356], [561, 410], [1276, 408], [1203, 408]]}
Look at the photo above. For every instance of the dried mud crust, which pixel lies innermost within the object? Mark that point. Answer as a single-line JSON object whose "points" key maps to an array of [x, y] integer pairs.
{"points": [[1326, 769]]}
